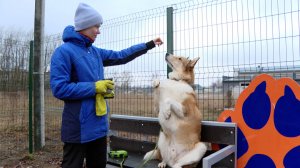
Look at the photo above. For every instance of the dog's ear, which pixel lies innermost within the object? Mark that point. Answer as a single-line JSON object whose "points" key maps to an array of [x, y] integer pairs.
{"points": [[193, 62]]}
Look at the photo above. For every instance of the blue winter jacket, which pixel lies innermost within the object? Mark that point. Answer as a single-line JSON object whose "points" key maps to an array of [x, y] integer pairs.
{"points": [[75, 67]]}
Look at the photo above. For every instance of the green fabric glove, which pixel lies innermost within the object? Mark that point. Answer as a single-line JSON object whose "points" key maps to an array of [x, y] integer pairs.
{"points": [[100, 105], [103, 85]]}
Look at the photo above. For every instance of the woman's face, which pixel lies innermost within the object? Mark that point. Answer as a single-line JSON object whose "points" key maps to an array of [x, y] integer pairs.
{"points": [[91, 32]]}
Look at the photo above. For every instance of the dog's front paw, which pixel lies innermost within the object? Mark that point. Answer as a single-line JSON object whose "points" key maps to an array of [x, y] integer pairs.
{"points": [[167, 114], [156, 83], [176, 166], [165, 109], [162, 164]]}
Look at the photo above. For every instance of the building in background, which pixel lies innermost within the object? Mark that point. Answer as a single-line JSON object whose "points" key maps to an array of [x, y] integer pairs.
{"points": [[234, 85]]}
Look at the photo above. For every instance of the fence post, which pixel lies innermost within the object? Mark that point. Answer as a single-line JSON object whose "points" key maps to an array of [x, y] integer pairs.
{"points": [[38, 76], [170, 42], [30, 98]]}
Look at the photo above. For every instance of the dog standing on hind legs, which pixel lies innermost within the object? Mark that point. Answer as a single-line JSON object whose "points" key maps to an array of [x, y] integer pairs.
{"points": [[179, 116]]}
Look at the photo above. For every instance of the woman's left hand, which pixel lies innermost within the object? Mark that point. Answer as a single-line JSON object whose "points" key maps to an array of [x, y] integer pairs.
{"points": [[158, 41]]}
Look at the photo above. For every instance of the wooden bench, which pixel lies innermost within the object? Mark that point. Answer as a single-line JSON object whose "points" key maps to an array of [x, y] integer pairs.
{"points": [[132, 133]]}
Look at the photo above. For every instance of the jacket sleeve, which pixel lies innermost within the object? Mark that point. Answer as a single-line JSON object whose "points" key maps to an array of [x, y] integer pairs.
{"points": [[111, 57], [60, 79]]}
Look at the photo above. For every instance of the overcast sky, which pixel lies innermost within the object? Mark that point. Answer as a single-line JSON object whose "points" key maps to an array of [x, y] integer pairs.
{"points": [[236, 34], [19, 14]]}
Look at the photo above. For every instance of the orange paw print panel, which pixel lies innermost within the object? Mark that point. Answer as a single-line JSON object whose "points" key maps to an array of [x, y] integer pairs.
{"points": [[267, 113]]}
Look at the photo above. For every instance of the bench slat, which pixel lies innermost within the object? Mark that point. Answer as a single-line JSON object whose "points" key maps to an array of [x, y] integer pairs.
{"points": [[135, 125], [218, 134], [132, 145], [211, 131]]}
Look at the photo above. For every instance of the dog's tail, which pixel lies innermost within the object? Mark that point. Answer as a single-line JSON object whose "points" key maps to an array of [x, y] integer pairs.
{"points": [[154, 154]]}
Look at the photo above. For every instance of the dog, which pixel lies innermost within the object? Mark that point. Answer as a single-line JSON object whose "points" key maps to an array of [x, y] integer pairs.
{"points": [[179, 116]]}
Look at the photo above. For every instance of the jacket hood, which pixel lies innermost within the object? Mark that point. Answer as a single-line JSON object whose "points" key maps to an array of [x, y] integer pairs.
{"points": [[70, 35]]}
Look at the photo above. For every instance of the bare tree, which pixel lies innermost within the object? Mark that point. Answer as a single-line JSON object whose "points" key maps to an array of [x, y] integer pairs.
{"points": [[50, 44], [15, 52], [126, 79], [216, 85], [122, 80]]}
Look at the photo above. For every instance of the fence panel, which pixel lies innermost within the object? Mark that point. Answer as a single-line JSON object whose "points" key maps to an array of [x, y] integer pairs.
{"points": [[13, 97], [235, 39], [134, 80]]}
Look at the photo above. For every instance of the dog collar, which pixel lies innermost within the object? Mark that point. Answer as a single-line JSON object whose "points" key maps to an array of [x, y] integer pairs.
{"points": [[192, 85]]}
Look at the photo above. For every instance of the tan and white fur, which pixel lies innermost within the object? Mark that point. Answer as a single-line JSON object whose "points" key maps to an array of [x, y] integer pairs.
{"points": [[179, 116]]}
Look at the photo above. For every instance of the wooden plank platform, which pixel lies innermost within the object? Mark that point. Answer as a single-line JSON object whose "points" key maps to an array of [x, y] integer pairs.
{"points": [[212, 132]]}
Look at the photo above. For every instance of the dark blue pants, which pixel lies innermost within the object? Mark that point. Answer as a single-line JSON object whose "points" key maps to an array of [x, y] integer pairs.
{"points": [[95, 153]]}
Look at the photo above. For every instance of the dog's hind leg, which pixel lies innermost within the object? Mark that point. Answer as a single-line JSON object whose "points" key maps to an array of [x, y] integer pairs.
{"points": [[192, 156], [154, 154]]}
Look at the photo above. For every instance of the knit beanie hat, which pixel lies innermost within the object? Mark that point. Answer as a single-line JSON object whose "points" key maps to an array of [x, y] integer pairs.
{"points": [[86, 17]]}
